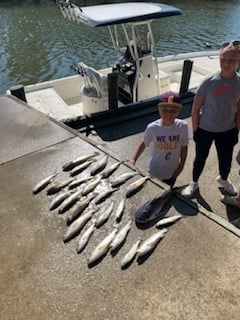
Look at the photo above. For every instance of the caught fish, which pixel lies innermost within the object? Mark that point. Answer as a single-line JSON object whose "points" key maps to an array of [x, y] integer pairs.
{"points": [[78, 182], [120, 210], [43, 183], [99, 166], [104, 195], [168, 220], [69, 202], [120, 236], [77, 225], [91, 186], [85, 237], [59, 199], [79, 208], [118, 181], [103, 247], [136, 186], [108, 171], [150, 243], [72, 164], [130, 255], [81, 167], [59, 186], [104, 216]]}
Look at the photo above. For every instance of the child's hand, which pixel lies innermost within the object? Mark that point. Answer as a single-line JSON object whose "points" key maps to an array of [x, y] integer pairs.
{"points": [[132, 161], [238, 157]]}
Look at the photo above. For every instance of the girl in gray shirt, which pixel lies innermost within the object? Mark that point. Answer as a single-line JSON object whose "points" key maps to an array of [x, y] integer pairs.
{"points": [[216, 117]]}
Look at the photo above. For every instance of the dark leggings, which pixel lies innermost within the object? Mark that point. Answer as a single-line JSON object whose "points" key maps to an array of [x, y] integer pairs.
{"points": [[224, 143]]}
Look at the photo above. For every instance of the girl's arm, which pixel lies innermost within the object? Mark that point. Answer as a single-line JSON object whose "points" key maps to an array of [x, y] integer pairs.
{"points": [[196, 107]]}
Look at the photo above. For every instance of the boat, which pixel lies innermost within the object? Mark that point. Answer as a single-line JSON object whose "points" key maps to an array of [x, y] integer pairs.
{"points": [[133, 84]]}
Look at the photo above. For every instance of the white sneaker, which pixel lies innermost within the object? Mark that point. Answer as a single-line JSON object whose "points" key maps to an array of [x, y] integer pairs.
{"points": [[189, 191], [228, 186]]}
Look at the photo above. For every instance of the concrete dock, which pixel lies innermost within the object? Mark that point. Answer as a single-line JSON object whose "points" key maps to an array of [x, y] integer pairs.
{"points": [[192, 274]]}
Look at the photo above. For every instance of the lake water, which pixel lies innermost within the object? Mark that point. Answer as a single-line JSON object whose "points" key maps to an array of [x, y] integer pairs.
{"points": [[38, 44]]}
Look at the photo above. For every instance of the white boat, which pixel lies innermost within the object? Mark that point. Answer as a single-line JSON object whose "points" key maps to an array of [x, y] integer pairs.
{"points": [[137, 78]]}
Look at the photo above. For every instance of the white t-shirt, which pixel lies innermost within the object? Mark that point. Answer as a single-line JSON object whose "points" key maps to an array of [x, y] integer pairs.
{"points": [[165, 143]]}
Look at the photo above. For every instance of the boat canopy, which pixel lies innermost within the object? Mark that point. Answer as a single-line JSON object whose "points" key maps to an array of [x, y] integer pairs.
{"points": [[116, 13]]}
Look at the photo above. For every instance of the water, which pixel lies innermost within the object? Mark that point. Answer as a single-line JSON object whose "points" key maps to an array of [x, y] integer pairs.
{"points": [[38, 44]]}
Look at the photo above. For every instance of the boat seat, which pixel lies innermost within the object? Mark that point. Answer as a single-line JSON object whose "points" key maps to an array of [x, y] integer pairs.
{"points": [[95, 83]]}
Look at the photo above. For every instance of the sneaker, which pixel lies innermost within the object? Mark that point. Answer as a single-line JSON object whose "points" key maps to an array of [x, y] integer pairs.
{"points": [[232, 201], [189, 191], [228, 186]]}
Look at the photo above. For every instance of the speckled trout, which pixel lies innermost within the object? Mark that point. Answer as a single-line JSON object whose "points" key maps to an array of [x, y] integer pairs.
{"points": [[71, 164], [136, 186], [85, 237], [121, 236], [168, 220], [77, 225], [103, 247], [150, 243], [130, 255], [43, 183]]}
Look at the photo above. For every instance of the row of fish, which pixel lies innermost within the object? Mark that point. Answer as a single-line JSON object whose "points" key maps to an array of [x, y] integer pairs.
{"points": [[78, 200], [116, 237], [97, 170]]}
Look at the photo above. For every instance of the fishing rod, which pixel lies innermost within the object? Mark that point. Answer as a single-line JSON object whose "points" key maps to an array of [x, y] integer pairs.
{"points": [[66, 38]]}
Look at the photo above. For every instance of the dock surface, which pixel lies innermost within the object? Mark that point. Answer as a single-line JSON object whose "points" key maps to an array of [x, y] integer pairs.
{"points": [[193, 273]]}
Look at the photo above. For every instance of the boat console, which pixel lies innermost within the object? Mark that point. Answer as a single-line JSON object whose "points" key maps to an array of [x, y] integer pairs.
{"points": [[135, 75]]}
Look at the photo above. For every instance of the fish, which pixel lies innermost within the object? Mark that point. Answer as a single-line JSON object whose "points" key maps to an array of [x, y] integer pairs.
{"points": [[120, 236], [59, 199], [120, 210], [136, 186], [103, 247], [108, 171], [78, 182], [150, 243], [43, 183], [104, 216], [104, 195], [77, 225], [85, 237], [99, 166], [81, 167], [59, 186], [118, 181], [72, 164], [69, 202], [79, 208], [130, 255], [168, 220], [91, 186]]}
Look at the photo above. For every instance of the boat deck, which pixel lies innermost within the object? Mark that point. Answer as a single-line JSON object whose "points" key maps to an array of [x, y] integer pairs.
{"points": [[60, 99], [192, 274]]}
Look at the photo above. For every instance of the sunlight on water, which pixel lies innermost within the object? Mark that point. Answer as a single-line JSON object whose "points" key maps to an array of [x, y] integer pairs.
{"points": [[38, 44]]}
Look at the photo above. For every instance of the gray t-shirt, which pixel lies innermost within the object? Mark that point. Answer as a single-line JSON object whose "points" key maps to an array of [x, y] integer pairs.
{"points": [[220, 102]]}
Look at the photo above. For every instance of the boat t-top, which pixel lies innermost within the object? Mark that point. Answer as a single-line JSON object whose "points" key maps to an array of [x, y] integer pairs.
{"points": [[134, 81]]}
